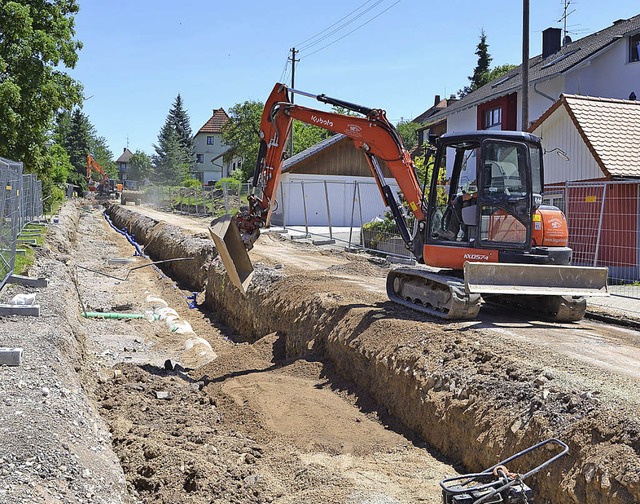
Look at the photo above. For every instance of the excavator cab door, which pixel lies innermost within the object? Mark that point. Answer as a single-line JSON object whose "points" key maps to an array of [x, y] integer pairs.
{"points": [[505, 196]]}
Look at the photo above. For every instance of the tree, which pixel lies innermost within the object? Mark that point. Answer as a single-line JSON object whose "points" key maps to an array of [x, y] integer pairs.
{"points": [[174, 151], [36, 44], [139, 166], [54, 170], [409, 132], [78, 145], [307, 135], [499, 71], [171, 161], [240, 133], [481, 73], [179, 117]]}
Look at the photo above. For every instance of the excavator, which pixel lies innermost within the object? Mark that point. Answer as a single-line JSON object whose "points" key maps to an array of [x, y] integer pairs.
{"points": [[105, 187], [478, 223]]}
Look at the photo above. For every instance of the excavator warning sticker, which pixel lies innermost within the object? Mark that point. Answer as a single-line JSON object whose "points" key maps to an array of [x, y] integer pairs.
{"points": [[413, 206]]}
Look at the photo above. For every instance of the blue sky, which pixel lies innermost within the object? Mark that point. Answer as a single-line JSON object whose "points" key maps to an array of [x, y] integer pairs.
{"points": [[139, 54]]}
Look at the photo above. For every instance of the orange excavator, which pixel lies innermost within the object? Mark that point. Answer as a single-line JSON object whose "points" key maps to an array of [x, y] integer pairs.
{"points": [[103, 185], [478, 220]]}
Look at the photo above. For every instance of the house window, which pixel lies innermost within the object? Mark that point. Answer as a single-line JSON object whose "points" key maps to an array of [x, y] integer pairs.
{"points": [[634, 47], [199, 158], [493, 118], [210, 140], [123, 167], [556, 200]]}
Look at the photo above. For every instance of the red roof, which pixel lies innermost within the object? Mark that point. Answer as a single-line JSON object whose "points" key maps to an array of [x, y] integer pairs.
{"points": [[215, 123]]}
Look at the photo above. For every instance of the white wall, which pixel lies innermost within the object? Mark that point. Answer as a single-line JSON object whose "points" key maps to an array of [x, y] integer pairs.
{"points": [[558, 131], [341, 200], [209, 170]]}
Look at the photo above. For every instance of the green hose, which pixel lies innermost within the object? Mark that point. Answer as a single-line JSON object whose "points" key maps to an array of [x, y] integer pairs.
{"points": [[113, 315]]}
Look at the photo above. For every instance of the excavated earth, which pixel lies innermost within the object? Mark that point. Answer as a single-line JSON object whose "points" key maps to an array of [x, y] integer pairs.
{"points": [[476, 392], [312, 387]]}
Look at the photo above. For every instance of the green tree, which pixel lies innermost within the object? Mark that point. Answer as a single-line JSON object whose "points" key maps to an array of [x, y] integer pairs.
{"points": [[54, 170], [102, 154], [241, 132], [78, 145], [36, 45], [179, 117], [140, 166], [173, 156], [499, 71], [481, 72], [409, 132], [307, 135], [171, 161]]}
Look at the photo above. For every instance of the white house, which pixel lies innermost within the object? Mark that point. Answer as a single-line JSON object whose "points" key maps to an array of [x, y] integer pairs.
{"points": [[209, 150], [605, 64]]}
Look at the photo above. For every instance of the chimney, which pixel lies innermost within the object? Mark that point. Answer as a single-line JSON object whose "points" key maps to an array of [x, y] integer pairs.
{"points": [[437, 100], [551, 41], [124, 150]]}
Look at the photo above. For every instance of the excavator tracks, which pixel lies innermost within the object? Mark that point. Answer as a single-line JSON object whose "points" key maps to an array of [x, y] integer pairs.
{"points": [[447, 298], [437, 295]]}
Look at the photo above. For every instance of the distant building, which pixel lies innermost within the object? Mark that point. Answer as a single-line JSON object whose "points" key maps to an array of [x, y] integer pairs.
{"points": [[122, 164], [209, 150]]}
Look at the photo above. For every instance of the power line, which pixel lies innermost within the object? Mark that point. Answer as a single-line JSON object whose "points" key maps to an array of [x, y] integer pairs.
{"points": [[355, 29], [343, 25], [331, 26]]}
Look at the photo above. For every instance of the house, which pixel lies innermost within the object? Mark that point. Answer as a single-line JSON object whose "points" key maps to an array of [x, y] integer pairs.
{"points": [[595, 179], [329, 181], [122, 164], [429, 127], [605, 63], [209, 150]]}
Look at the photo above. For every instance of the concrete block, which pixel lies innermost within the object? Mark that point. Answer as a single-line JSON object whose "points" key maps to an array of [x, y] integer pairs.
{"points": [[28, 281], [28, 241], [323, 242], [10, 356], [401, 260], [7, 310]]}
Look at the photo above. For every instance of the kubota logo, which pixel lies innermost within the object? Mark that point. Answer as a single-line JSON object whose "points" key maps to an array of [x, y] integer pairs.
{"points": [[555, 223], [320, 120], [476, 257]]}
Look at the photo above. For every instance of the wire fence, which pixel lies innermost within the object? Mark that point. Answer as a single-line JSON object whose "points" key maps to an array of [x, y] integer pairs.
{"points": [[211, 201], [21, 204]]}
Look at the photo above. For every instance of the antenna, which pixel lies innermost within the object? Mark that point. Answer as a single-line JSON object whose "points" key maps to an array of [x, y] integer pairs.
{"points": [[563, 20]]}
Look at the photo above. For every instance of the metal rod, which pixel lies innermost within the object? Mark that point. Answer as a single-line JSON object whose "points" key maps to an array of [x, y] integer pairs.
{"points": [[353, 209], [604, 197], [326, 197], [153, 263]]}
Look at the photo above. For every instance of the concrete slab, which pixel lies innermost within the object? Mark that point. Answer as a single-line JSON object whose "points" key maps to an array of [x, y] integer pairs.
{"points": [[28, 281], [10, 356], [323, 242], [7, 310]]}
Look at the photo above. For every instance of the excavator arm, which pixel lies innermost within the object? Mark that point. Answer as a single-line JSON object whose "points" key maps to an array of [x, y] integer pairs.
{"points": [[373, 134]]}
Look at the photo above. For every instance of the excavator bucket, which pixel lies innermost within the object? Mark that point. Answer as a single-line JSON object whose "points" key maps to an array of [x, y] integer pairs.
{"points": [[535, 279], [226, 235]]}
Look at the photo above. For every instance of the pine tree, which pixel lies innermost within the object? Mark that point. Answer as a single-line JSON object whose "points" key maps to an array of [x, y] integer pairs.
{"points": [[481, 72], [77, 144], [173, 159]]}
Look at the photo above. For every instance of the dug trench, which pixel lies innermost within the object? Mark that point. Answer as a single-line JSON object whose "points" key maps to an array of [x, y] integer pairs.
{"points": [[474, 398]]}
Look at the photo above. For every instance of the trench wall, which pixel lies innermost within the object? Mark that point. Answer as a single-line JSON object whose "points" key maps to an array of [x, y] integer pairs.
{"points": [[465, 401]]}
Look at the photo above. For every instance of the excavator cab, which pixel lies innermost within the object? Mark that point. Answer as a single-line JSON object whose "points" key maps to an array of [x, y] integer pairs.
{"points": [[492, 185]]}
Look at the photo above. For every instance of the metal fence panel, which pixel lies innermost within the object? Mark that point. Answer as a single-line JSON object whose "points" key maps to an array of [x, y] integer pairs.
{"points": [[10, 222]]}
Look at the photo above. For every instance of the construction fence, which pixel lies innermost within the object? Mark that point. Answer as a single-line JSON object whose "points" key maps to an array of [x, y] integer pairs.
{"points": [[603, 219], [21, 204]]}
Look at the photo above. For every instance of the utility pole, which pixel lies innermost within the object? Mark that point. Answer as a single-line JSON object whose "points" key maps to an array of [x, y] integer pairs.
{"points": [[293, 86], [525, 65]]}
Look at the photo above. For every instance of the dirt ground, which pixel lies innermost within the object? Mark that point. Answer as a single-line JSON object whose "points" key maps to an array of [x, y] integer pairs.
{"points": [[143, 410]]}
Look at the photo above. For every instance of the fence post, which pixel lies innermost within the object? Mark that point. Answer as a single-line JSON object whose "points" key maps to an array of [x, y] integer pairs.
{"points": [[225, 193], [284, 206], [326, 197], [353, 209], [604, 197], [304, 206]]}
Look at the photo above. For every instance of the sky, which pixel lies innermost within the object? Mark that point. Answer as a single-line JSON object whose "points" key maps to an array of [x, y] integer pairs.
{"points": [[397, 55]]}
